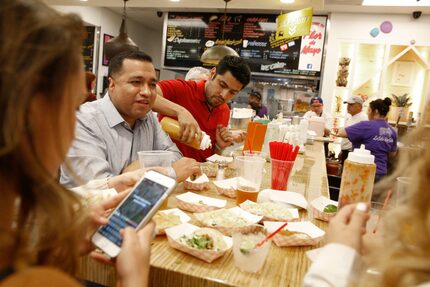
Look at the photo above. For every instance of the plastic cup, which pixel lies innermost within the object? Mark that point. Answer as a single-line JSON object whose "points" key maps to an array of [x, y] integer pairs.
{"points": [[150, 158], [403, 185], [376, 216], [261, 154], [281, 170], [250, 172], [246, 257]]}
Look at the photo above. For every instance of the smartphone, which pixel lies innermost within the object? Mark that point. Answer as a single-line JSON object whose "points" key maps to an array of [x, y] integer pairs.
{"points": [[135, 210]]}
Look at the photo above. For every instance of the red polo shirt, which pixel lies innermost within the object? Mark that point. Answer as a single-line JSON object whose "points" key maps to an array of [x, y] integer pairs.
{"points": [[191, 95]]}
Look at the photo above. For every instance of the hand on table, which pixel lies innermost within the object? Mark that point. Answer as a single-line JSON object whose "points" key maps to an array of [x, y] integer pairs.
{"points": [[186, 167]]}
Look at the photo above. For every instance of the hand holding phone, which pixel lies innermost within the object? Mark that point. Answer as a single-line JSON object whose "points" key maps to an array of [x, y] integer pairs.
{"points": [[135, 211]]}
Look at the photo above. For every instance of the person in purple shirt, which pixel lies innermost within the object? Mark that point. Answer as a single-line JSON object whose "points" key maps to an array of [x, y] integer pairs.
{"points": [[376, 134], [256, 103]]}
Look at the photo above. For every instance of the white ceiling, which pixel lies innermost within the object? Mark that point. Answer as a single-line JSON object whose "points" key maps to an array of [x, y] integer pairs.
{"points": [[145, 11]]}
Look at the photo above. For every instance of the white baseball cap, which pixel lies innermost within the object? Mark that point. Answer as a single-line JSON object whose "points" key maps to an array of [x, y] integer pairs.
{"points": [[354, 100]]}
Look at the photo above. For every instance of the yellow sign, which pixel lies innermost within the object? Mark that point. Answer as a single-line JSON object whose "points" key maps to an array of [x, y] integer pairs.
{"points": [[294, 24]]}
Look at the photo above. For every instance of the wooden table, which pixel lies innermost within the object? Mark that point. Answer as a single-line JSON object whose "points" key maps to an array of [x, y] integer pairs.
{"points": [[284, 266]]}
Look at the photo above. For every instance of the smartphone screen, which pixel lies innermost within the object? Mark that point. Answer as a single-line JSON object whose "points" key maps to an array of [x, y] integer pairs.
{"points": [[133, 210]]}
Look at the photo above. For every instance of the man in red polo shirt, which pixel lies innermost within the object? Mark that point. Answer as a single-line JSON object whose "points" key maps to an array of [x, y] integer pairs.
{"points": [[207, 102]]}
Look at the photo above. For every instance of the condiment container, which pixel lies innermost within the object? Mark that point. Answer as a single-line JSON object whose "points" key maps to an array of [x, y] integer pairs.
{"points": [[171, 127], [358, 177]]}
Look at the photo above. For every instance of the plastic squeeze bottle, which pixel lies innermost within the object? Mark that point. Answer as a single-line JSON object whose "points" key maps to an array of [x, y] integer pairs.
{"points": [[171, 127], [357, 177]]}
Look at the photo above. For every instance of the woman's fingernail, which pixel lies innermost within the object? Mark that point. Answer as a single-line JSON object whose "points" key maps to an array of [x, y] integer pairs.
{"points": [[361, 207]]}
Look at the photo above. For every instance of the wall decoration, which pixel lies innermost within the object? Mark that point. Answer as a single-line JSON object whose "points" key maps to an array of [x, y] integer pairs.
{"points": [[386, 27], [374, 32], [342, 72], [106, 38], [403, 73]]}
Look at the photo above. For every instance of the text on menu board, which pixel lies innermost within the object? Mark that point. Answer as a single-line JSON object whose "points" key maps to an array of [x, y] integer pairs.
{"points": [[253, 37]]}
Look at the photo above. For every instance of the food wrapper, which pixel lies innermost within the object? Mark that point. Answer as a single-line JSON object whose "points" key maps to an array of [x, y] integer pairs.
{"points": [[183, 218], [199, 184], [174, 233], [230, 220], [307, 233], [193, 202], [226, 187], [288, 198], [317, 207], [220, 159], [209, 168], [271, 211]]}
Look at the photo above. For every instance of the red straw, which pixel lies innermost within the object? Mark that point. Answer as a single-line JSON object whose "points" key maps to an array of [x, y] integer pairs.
{"points": [[271, 235], [295, 153], [383, 207], [250, 148], [272, 149]]}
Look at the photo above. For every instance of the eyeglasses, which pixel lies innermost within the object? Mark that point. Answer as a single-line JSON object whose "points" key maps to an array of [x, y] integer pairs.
{"points": [[316, 106]]}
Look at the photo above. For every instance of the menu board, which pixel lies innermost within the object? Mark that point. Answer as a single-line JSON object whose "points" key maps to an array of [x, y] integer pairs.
{"points": [[187, 35], [88, 47]]}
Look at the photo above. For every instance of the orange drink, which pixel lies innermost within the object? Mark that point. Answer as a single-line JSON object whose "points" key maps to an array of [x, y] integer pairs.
{"points": [[250, 171], [245, 193]]}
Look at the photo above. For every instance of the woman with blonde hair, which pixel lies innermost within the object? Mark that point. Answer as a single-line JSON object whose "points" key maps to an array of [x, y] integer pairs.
{"points": [[402, 257], [43, 225]]}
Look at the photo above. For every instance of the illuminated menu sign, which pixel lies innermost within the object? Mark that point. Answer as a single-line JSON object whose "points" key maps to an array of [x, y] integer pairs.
{"points": [[188, 35]]}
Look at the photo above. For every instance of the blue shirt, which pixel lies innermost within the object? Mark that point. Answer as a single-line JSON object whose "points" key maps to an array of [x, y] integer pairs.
{"points": [[105, 144]]}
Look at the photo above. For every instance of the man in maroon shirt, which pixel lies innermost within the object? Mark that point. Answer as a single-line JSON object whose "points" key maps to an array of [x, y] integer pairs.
{"points": [[207, 102]]}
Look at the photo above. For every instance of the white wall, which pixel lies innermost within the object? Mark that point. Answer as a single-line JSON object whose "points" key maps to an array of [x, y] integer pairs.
{"points": [[147, 39], [356, 28]]}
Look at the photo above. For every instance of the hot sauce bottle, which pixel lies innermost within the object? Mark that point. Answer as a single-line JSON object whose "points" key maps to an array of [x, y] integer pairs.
{"points": [[171, 127], [358, 177]]}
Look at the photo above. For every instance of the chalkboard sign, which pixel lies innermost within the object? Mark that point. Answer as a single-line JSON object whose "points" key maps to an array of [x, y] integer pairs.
{"points": [[88, 48], [187, 35]]}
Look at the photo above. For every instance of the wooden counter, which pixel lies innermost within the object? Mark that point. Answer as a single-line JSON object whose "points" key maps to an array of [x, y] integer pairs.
{"points": [[284, 266]]}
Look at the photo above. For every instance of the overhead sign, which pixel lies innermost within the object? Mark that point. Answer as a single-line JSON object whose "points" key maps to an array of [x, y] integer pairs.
{"points": [[294, 24], [252, 36]]}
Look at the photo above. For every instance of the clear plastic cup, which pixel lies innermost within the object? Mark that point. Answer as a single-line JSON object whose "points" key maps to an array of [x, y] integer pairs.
{"points": [[281, 170], [247, 257], [150, 158], [250, 172], [376, 216], [261, 154], [403, 185]]}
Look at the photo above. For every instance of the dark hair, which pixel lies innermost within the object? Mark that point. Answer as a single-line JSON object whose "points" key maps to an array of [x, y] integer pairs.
{"points": [[89, 78], [115, 64], [237, 67], [381, 105], [256, 94]]}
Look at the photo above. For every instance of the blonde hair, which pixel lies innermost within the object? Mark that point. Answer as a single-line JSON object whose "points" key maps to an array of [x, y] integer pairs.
{"points": [[39, 53], [405, 259]]}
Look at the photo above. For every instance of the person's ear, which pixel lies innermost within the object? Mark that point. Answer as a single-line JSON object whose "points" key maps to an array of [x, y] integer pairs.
{"points": [[111, 83], [213, 73]]}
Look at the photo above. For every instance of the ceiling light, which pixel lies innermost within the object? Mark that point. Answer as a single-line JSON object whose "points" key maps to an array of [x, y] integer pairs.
{"points": [[175, 0], [287, 1], [404, 3], [121, 42], [214, 54]]}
